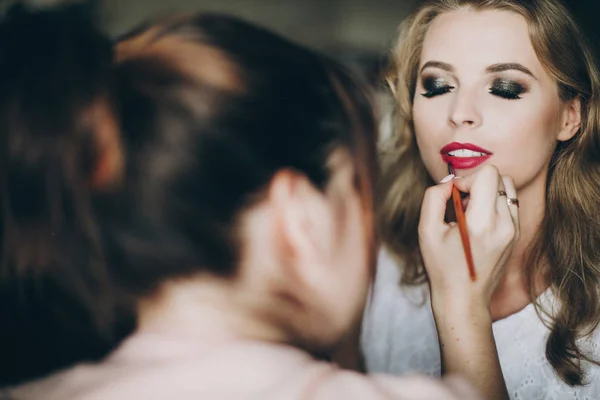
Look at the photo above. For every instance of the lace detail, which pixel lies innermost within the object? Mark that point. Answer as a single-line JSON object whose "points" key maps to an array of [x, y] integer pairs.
{"points": [[399, 337]]}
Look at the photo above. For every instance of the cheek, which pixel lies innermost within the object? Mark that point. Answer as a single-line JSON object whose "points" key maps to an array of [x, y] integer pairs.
{"points": [[357, 253], [359, 247], [524, 143], [342, 295]]}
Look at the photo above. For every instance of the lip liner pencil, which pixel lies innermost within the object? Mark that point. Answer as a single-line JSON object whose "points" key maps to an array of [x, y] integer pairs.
{"points": [[462, 227]]}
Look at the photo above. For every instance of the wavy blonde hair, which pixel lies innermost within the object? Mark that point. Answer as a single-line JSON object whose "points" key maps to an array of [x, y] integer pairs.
{"points": [[568, 240]]}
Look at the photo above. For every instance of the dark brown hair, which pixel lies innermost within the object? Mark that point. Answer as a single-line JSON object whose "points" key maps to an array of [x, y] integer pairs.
{"points": [[56, 299], [203, 111]]}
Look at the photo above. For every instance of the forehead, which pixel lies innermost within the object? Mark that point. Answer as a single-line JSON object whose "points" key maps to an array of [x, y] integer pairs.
{"points": [[480, 38]]}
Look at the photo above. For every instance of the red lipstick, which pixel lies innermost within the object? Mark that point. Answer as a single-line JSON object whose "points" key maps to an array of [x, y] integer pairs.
{"points": [[463, 157]]}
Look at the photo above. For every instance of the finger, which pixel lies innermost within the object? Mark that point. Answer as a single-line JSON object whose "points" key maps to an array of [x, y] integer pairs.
{"points": [[483, 192], [433, 208], [464, 183], [501, 207], [511, 192]]}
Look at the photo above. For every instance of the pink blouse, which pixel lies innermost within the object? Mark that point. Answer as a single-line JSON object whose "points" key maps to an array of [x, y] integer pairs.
{"points": [[152, 366]]}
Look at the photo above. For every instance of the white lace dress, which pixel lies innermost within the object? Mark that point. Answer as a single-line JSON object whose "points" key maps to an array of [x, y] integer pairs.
{"points": [[399, 337]]}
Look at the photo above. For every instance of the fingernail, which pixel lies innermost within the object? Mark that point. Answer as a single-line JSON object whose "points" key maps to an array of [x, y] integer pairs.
{"points": [[447, 179]]}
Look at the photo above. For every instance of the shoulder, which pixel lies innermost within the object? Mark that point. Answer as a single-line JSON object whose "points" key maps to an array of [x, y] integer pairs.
{"points": [[521, 342], [176, 370], [349, 385]]}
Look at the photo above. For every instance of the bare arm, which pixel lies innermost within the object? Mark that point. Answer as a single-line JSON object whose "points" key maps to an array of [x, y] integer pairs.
{"points": [[460, 302], [468, 348]]}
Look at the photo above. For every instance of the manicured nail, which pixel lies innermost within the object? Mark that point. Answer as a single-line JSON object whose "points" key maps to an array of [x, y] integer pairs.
{"points": [[447, 179]]}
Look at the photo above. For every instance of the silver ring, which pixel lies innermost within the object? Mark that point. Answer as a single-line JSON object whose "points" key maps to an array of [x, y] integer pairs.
{"points": [[501, 193], [511, 201]]}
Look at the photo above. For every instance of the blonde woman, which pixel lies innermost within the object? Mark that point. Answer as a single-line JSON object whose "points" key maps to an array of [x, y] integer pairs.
{"points": [[509, 84]]}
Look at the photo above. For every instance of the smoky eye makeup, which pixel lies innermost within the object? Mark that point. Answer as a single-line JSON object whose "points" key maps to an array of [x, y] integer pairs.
{"points": [[508, 89], [435, 86]]}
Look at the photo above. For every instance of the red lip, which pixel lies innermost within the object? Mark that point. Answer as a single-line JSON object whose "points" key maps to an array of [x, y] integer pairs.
{"points": [[467, 146], [464, 162]]}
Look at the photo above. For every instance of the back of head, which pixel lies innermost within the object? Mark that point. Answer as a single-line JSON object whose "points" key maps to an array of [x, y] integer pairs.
{"points": [[122, 176], [207, 121], [54, 80]]}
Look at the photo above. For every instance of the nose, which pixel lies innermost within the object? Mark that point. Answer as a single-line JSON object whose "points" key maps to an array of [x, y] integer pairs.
{"points": [[464, 111]]}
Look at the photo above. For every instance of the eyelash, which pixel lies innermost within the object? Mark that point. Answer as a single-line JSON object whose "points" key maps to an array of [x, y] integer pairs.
{"points": [[435, 87], [503, 88], [509, 90]]}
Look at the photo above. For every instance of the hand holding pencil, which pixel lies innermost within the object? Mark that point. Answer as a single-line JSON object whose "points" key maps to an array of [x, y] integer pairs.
{"points": [[465, 260]]}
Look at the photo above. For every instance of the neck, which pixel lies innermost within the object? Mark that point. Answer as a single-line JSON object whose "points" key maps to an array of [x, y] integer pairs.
{"points": [[206, 308], [512, 293]]}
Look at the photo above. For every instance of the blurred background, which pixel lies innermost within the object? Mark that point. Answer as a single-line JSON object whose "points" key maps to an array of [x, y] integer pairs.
{"points": [[358, 33]]}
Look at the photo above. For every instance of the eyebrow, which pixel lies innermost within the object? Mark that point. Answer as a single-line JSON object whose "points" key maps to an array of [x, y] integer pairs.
{"points": [[501, 67], [508, 67], [438, 64]]}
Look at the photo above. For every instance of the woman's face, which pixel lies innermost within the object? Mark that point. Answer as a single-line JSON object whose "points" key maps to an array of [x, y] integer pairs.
{"points": [[482, 96], [348, 251]]}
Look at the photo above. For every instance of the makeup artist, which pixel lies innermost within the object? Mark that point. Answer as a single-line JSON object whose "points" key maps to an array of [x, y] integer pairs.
{"points": [[497, 89], [154, 178]]}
